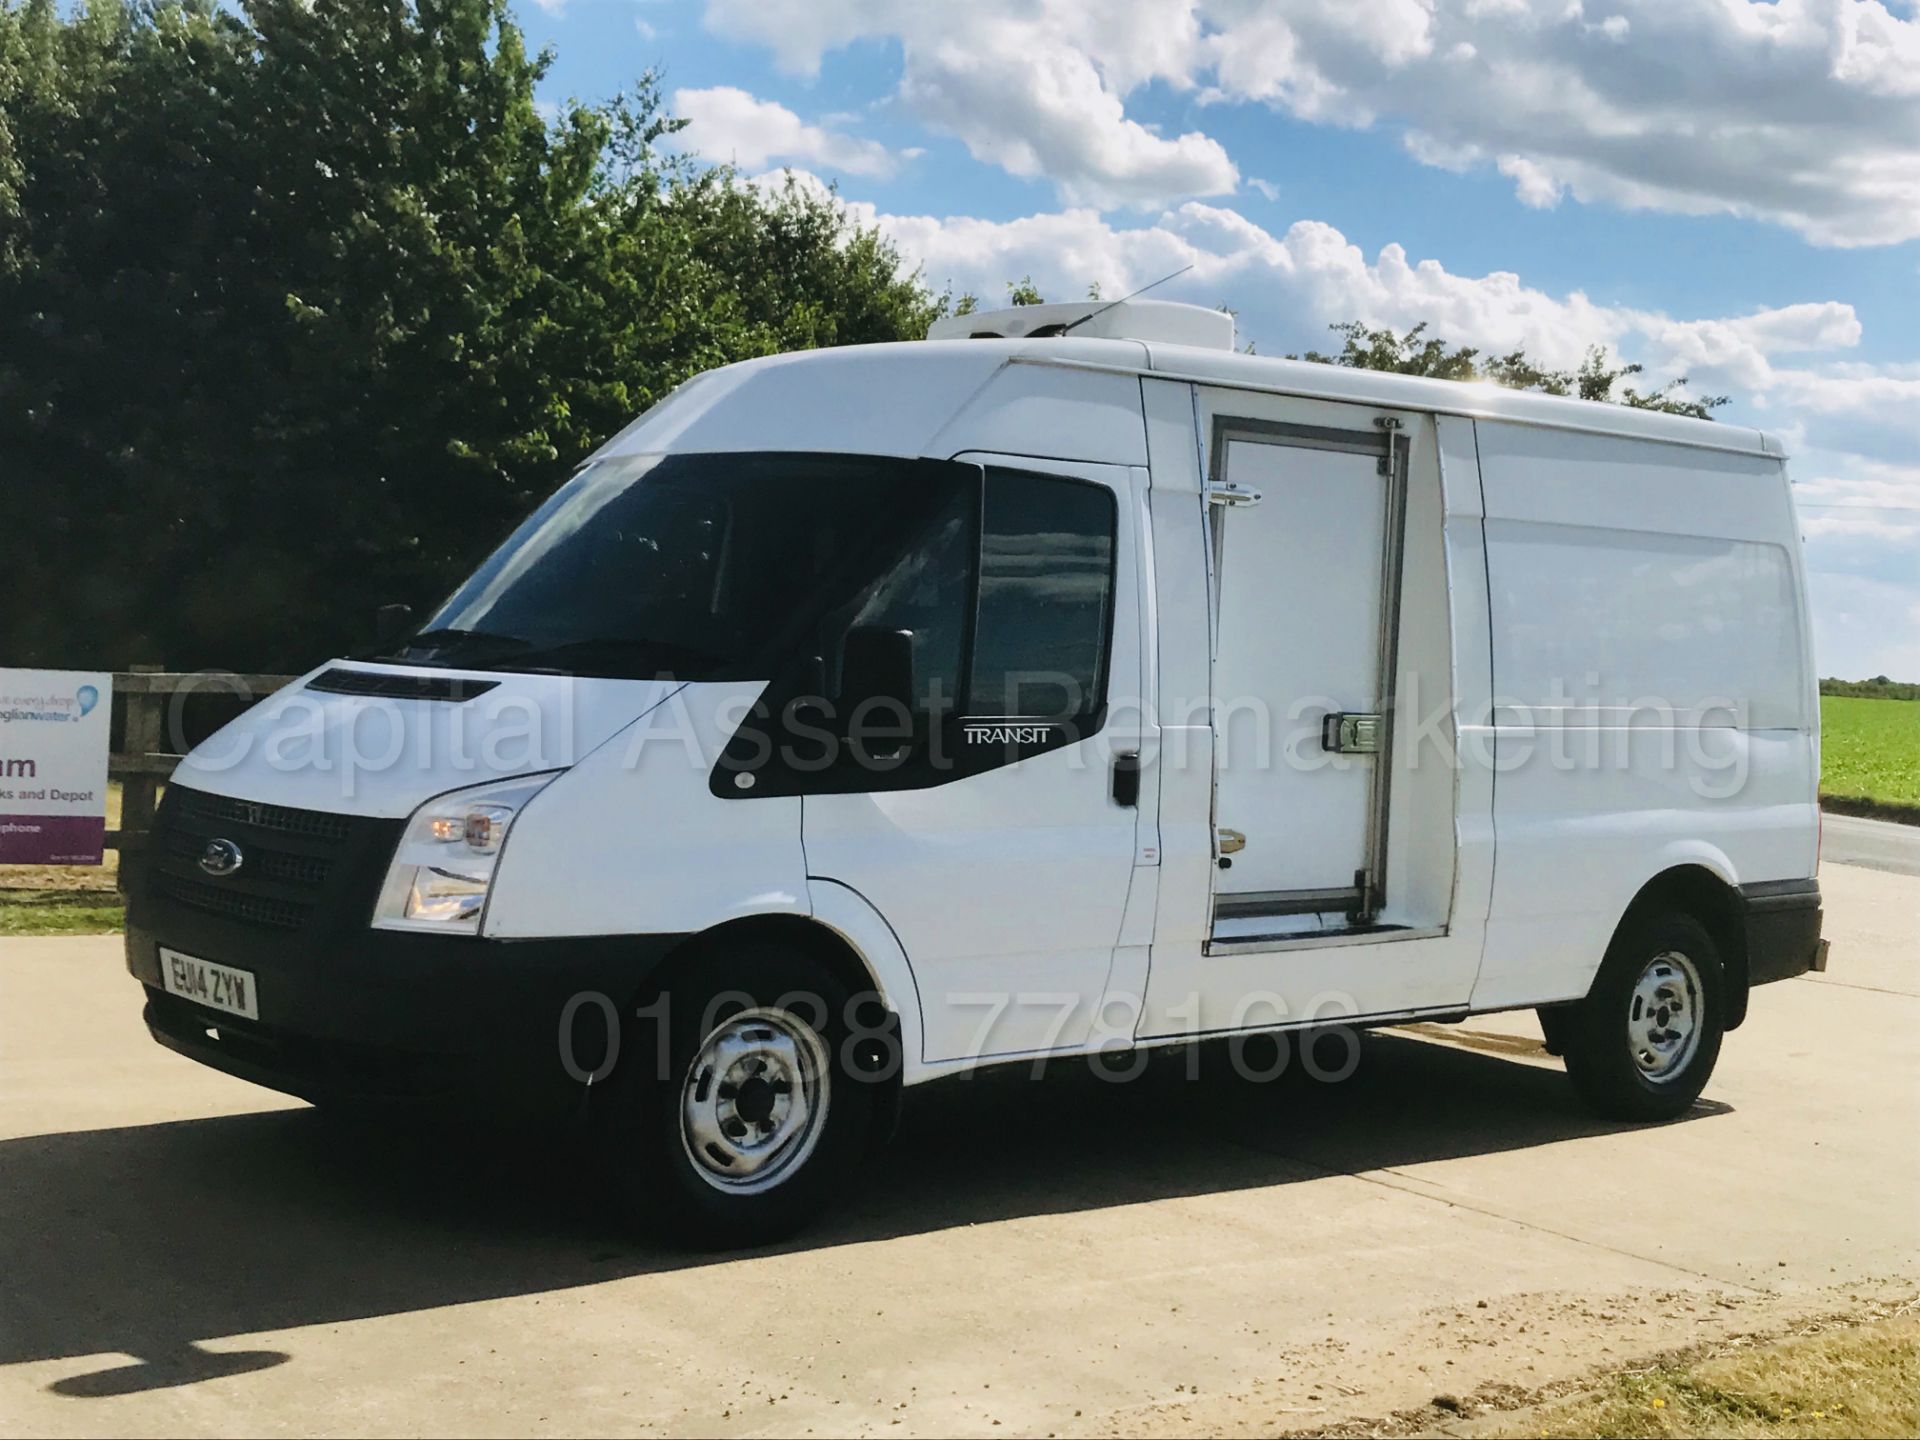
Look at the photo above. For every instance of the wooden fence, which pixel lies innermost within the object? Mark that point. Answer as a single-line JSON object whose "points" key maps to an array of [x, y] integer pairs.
{"points": [[142, 761]]}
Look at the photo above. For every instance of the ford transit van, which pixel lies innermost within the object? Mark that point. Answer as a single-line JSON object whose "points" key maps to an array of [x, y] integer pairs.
{"points": [[1067, 684]]}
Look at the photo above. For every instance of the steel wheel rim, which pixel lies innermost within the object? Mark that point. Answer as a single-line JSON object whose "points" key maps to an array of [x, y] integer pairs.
{"points": [[1664, 1017], [754, 1100]]}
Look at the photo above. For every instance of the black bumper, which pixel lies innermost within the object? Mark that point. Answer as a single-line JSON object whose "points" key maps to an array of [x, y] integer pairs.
{"points": [[348, 1012], [391, 1017], [1782, 922]]}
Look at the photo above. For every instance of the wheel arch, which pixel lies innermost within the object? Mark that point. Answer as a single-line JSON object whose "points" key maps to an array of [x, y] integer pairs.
{"points": [[1711, 898], [829, 946], [839, 937]]}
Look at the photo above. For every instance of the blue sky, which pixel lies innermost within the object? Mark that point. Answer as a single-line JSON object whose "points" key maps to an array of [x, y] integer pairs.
{"points": [[1723, 189]]}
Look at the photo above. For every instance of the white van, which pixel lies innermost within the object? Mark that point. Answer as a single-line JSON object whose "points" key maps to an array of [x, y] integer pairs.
{"points": [[859, 717]]}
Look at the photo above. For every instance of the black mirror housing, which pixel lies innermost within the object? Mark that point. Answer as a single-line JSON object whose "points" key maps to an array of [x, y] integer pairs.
{"points": [[876, 664]]}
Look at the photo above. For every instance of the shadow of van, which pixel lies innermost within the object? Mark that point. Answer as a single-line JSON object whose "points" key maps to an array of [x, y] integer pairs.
{"points": [[148, 1240]]}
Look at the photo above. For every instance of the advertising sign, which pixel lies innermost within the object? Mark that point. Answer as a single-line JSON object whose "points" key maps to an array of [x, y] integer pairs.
{"points": [[53, 766]]}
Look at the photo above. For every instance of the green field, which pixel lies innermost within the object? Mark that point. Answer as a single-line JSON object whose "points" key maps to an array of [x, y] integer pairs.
{"points": [[1870, 750]]}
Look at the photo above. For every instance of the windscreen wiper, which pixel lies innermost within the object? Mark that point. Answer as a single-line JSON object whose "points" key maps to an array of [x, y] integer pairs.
{"points": [[647, 658], [452, 640]]}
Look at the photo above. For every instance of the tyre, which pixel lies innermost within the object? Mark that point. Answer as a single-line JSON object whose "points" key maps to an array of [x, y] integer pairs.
{"points": [[1643, 1043], [741, 1121]]}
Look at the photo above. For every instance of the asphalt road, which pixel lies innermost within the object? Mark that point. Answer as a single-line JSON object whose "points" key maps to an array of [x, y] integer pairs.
{"points": [[181, 1252], [1876, 844]]}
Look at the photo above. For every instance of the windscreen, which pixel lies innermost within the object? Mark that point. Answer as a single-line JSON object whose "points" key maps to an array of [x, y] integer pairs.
{"points": [[700, 567]]}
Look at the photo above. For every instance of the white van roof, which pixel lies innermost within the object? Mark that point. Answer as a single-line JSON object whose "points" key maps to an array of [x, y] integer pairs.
{"points": [[1383, 388], [1197, 343], [900, 397]]}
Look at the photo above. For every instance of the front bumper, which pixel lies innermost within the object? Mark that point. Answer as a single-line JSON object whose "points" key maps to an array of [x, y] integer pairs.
{"points": [[1782, 922], [396, 1018], [347, 1012]]}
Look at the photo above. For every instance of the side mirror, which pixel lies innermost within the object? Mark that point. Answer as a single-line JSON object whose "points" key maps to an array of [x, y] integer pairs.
{"points": [[390, 622], [875, 664]]}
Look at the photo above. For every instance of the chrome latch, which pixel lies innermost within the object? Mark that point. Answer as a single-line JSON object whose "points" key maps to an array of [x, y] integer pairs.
{"points": [[1225, 492], [1231, 842], [1346, 732]]}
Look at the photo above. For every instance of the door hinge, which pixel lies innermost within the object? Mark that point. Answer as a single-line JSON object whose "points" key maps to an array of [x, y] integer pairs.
{"points": [[1389, 428], [1225, 492]]}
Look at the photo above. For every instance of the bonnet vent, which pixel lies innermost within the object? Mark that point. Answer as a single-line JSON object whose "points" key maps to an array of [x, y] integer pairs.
{"points": [[400, 687]]}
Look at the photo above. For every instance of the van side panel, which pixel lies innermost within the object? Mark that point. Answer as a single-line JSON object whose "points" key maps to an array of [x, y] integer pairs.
{"points": [[1182, 646], [1651, 689], [1470, 655], [632, 841], [1050, 412]]}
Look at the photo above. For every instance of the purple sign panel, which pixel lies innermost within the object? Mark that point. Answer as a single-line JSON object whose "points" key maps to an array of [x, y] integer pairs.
{"points": [[52, 839]]}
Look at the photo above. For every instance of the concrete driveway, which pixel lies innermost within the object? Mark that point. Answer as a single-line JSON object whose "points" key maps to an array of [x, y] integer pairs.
{"points": [[183, 1253]]}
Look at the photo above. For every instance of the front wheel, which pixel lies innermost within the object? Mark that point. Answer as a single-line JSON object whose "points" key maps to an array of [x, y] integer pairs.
{"points": [[1643, 1043], [751, 1121]]}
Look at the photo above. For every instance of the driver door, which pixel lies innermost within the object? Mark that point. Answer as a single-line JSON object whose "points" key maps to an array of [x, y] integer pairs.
{"points": [[1004, 864]]}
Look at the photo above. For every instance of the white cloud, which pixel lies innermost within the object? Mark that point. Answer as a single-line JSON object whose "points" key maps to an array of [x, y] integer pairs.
{"points": [[1287, 287], [1805, 113], [1534, 185], [1045, 111], [1036, 87], [728, 124]]}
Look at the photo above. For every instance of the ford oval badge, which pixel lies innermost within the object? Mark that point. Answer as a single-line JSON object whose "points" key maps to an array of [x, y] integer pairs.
{"points": [[221, 857]]}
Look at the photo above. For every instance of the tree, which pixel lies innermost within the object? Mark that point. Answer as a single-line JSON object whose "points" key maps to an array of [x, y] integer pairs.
{"points": [[306, 302], [1415, 353]]}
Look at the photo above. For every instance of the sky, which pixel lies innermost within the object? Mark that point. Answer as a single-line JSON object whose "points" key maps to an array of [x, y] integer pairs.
{"points": [[1726, 190]]}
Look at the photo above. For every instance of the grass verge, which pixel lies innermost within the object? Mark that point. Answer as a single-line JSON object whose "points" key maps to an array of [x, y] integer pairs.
{"points": [[60, 912], [1870, 809], [1861, 1380]]}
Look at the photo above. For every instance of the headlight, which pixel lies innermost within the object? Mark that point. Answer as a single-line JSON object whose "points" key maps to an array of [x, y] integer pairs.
{"points": [[443, 868]]}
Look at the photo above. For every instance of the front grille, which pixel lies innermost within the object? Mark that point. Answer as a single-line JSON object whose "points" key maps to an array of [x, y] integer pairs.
{"points": [[235, 904], [294, 862], [198, 809], [281, 865]]}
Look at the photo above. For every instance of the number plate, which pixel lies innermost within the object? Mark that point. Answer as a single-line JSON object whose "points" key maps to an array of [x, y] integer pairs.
{"points": [[219, 987]]}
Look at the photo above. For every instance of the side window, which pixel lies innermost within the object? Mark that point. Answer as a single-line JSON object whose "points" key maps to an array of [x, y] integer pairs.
{"points": [[1046, 598], [925, 592]]}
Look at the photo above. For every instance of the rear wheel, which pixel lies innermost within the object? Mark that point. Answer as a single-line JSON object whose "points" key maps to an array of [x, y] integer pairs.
{"points": [[1643, 1043], [750, 1122]]}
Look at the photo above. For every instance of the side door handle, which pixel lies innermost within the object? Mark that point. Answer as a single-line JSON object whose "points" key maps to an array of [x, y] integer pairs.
{"points": [[1126, 779]]}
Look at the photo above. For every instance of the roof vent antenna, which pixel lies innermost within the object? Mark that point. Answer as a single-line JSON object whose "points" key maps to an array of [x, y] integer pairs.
{"points": [[1093, 314]]}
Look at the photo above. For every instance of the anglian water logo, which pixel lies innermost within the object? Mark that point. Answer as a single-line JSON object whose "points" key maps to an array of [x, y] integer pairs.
{"points": [[50, 709]]}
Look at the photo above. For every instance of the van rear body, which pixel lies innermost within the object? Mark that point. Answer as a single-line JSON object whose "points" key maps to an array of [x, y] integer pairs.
{"points": [[1017, 698]]}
